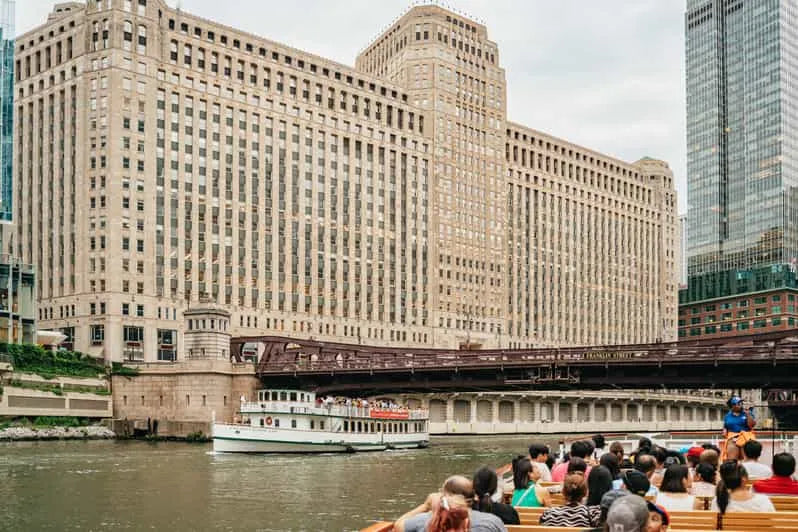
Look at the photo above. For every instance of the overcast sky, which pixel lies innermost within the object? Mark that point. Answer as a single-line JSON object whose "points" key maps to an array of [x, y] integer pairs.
{"points": [[608, 75]]}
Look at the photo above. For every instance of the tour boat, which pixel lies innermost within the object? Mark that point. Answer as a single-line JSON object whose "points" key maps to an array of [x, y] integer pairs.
{"points": [[295, 421]]}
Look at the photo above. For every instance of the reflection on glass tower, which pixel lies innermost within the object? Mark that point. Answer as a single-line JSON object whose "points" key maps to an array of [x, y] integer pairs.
{"points": [[6, 107], [742, 157]]}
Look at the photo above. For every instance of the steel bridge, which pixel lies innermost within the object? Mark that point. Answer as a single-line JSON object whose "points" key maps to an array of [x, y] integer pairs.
{"points": [[767, 361]]}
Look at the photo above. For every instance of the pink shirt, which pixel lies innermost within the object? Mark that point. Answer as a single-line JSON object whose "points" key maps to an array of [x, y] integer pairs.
{"points": [[560, 470]]}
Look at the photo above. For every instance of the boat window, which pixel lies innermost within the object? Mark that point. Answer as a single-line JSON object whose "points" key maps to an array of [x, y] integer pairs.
{"points": [[293, 396], [293, 423], [302, 397], [276, 422], [379, 427], [372, 426], [388, 427], [346, 426], [261, 422], [359, 426], [321, 425], [396, 427], [274, 396], [405, 427], [312, 423], [283, 396]]}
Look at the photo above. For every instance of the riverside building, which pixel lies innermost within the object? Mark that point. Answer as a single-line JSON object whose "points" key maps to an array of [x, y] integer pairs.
{"points": [[741, 161], [163, 158]]}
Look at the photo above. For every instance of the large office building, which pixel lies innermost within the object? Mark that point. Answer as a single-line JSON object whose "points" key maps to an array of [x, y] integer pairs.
{"points": [[742, 167], [163, 158]]}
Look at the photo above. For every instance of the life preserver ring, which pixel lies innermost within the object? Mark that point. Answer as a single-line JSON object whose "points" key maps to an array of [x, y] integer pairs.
{"points": [[269, 421]]}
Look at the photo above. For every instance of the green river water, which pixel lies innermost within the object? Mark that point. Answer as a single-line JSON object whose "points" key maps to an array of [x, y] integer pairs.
{"points": [[134, 485]]}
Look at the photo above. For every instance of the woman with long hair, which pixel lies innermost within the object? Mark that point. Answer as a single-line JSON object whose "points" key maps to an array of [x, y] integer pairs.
{"points": [[674, 491], [613, 465], [485, 483], [732, 495], [599, 482], [527, 493]]}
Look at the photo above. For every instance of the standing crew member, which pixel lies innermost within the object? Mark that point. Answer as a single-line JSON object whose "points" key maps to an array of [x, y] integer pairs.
{"points": [[737, 429]]}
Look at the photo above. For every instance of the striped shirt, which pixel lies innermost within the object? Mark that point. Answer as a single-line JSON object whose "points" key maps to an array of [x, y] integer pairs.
{"points": [[578, 515]]}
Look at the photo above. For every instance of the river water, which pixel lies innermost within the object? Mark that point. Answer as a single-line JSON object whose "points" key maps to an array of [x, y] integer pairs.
{"points": [[134, 485]]}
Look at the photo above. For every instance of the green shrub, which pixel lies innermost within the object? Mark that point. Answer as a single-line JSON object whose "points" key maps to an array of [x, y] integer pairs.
{"points": [[196, 437], [35, 359], [117, 368]]}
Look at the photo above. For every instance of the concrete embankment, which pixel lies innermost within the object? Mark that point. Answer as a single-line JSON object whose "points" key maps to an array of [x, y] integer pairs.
{"points": [[91, 432]]}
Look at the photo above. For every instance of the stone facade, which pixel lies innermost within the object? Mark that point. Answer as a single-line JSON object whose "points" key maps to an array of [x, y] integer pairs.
{"points": [[392, 203], [183, 397]]}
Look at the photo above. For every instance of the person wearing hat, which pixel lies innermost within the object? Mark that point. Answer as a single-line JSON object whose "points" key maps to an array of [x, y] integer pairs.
{"points": [[658, 518], [628, 514], [737, 429], [606, 502], [637, 482]]}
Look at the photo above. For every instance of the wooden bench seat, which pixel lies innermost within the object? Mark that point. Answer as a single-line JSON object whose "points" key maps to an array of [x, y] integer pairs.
{"points": [[760, 521], [784, 503], [694, 519]]}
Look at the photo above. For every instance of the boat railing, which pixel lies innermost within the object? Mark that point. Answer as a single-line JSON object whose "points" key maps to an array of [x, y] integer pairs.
{"points": [[398, 414]]}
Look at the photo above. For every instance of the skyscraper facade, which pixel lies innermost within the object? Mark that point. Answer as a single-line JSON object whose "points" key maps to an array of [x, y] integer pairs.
{"points": [[6, 109], [742, 151], [163, 158]]}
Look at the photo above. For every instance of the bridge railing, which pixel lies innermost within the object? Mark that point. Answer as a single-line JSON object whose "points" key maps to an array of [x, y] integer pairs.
{"points": [[354, 361]]}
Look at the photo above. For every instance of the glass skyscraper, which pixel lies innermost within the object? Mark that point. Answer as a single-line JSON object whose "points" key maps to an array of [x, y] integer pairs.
{"points": [[6, 108], [742, 157]]}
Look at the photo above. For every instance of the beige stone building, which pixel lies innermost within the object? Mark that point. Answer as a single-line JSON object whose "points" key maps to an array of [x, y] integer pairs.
{"points": [[161, 157]]}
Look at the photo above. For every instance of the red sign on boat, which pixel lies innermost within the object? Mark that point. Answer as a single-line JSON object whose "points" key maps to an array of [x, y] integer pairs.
{"points": [[388, 414]]}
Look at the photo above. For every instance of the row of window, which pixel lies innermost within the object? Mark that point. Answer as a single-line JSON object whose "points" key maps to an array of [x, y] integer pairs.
{"points": [[367, 427], [759, 300], [741, 326]]}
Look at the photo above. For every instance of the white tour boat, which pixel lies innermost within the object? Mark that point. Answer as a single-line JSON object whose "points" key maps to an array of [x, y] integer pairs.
{"points": [[294, 421]]}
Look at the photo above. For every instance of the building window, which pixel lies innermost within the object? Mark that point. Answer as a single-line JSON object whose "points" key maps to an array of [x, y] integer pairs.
{"points": [[97, 334]]}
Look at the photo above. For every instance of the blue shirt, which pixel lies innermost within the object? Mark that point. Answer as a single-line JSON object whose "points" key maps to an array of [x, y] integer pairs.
{"points": [[736, 423]]}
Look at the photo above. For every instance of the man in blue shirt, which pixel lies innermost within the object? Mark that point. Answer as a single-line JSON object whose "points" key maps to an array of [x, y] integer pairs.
{"points": [[737, 425]]}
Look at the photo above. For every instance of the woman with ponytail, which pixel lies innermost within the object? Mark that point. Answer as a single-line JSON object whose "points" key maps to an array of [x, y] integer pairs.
{"points": [[732, 495], [451, 515], [485, 482]]}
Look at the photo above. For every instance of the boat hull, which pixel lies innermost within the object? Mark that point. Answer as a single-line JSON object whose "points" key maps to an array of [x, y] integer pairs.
{"points": [[247, 439]]}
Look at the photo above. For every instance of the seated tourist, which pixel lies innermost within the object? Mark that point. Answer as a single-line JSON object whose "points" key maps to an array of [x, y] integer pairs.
{"points": [[704, 481], [733, 496], [660, 455], [485, 482], [616, 448], [599, 482], [635, 483], [527, 493], [781, 483], [579, 449], [674, 492], [752, 450], [628, 514], [710, 455], [437, 511], [573, 512], [577, 465], [693, 457], [611, 462], [647, 464], [539, 453], [598, 447], [658, 518]]}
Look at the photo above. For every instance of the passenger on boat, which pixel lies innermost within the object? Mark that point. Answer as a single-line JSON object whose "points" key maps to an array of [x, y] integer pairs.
{"points": [[579, 449], [732, 495], [598, 443], [573, 513], [781, 482], [660, 455], [752, 450], [610, 461], [599, 482], [674, 491], [451, 515], [658, 518], [539, 453], [643, 447], [636, 483], [485, 484], [577, 465], [616, 448], [737, 428], [527, 493], [606, 503], [704, 481], [628, 514], [647, 464], [710, 456], [693, 457], [418, 519]]}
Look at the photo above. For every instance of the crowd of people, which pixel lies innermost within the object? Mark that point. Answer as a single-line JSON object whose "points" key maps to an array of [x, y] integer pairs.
{"points": [[607, 490]]}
